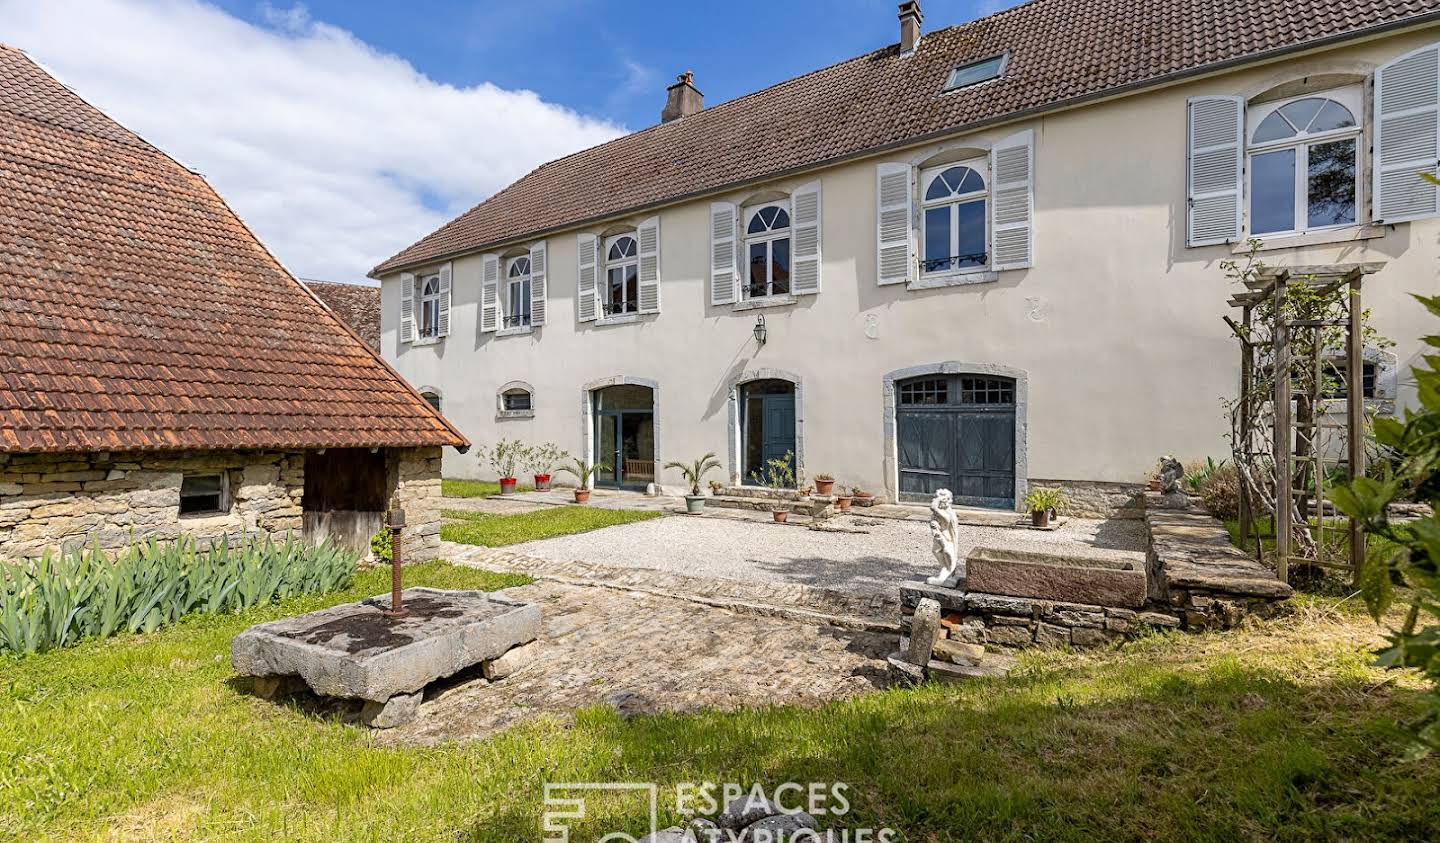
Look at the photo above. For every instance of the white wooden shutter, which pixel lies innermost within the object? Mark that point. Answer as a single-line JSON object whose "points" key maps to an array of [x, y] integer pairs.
{"points": [[892, 223], [1012, 201], [805, 222], [538, 296], [443, 328], [1407, 136], [489, 293], [407, 307], [1215, 170], [723, 286], [585, 295], [649, 236]]}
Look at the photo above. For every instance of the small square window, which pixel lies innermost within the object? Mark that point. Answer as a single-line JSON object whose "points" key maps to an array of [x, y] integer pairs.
{"points": [[976, 72], [203, 493]]}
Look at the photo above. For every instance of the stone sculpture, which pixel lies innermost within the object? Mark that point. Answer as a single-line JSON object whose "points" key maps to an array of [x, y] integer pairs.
{"points": [[945, 538], [1171, 473]]}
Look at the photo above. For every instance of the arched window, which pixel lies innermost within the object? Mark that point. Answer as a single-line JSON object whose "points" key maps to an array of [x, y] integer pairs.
{"points": [[430, 306], [432, 399], [1303, 163], [767, 245], [622, 272], [516, 399], [953, 201], [517, 292]]}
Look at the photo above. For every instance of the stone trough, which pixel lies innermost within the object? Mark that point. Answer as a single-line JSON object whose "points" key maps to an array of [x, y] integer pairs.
{"points": [[353, 651], [1069, 577]]}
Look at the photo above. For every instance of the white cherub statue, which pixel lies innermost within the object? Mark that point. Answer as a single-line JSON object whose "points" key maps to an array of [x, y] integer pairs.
{"points": [[945, 535]]}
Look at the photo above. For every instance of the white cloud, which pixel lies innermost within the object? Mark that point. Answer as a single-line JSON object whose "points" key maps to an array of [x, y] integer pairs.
{"points": [[336, 154]]}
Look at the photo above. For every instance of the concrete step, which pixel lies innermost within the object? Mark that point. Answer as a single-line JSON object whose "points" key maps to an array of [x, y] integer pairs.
{"points": [[797, 504], [760, 492]]}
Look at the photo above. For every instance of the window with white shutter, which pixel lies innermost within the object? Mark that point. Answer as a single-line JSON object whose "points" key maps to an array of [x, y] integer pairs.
{"points": [[586, 298], [649, 236], [1012, 168], [407, 307], [1407, 136], [805, 203], [489, 293], [1214, 170], [442, 319], [722, 253], [892, 223], [538, 286]]}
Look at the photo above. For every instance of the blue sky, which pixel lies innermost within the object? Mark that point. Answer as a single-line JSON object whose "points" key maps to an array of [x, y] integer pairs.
{"points": [[343, 131]]}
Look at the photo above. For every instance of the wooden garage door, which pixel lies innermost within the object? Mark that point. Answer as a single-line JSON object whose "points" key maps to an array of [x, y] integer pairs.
{"points": [[957, 432]]}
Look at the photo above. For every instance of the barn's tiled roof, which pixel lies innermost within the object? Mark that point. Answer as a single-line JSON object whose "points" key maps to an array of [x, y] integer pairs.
{"points": [[138, 312], [1061, 51], [357, 306]]}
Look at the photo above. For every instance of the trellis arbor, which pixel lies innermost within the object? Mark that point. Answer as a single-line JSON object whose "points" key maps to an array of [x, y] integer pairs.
{"points": [[1298, 425]]}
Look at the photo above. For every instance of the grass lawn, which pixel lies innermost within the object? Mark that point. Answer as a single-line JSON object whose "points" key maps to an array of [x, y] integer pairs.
{"points": [[491, 530], [455, 488], [1279, 731]]}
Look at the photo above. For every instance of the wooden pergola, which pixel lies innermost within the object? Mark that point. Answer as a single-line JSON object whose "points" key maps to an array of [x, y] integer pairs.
{"points": [[1270, 285]]}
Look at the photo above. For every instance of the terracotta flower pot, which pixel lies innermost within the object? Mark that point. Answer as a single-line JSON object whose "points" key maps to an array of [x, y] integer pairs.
{"points": [[823, 487], [507, 485], [582, 495], [781, 515], [542, 482], [1040, 518], [842, 503]]}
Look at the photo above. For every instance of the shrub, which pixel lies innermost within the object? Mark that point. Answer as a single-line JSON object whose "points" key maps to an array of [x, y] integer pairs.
{"points": [[1041, 499], [1220, 490], [58, 599], [380, 546]]}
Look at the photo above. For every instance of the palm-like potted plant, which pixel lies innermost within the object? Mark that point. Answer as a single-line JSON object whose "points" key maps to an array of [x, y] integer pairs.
{"points": [[1042, 503], [695, 475], [541, 460], [584, 472], [779, 473], [503, 458]]}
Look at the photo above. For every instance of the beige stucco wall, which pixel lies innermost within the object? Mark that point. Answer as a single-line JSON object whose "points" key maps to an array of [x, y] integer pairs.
{"points": [[1117, 325]]}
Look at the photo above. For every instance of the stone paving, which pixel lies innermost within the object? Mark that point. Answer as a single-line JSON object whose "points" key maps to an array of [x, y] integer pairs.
{"points": [[642, 653]]}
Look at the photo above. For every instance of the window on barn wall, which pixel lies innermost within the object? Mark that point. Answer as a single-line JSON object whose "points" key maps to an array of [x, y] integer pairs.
{"points": [[767, 250], [1303, 163], [204, 493], [954, 204]]}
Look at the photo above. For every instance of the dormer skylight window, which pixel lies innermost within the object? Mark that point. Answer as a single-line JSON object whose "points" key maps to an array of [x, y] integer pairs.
{"points": [[976, 72]]}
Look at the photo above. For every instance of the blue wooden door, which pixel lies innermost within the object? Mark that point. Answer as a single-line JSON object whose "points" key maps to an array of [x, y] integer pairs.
{"points": [[957, 432], [777, 437]]}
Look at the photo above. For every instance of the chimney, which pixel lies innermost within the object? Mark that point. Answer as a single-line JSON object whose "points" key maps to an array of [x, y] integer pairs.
{"points": [[683, 98], [910, 18]]}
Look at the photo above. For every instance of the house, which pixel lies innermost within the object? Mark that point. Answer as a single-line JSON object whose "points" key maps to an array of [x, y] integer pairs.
{"points": [[357, 305], [161, 373], [984, 257]]}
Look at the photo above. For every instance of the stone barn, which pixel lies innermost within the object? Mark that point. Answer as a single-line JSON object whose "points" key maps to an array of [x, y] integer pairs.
{"points": [[161, 373]]}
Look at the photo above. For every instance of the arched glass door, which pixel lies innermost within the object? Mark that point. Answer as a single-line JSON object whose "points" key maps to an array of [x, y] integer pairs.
{"points": [[625, 436]]}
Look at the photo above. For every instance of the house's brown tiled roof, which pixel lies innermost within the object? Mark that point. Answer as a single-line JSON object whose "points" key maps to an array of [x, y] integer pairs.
{"points": [[356, 305], [138, 312], [1061, 51]]}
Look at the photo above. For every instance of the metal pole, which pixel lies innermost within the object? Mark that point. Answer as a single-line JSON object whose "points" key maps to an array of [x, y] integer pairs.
{"points": [[397, 604], [1284, 494], [1355, 414]]}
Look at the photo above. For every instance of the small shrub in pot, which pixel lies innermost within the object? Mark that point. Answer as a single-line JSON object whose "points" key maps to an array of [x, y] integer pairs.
{"points": [[1041, 503], [694, 475]]}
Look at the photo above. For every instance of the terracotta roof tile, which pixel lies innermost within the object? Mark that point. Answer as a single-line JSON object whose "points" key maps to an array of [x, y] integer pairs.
{"points": [[1060, 51], [139, 312], [356, 305]]}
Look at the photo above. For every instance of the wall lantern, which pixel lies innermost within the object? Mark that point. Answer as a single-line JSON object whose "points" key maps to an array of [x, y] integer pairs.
{"points": [[760, 329]]}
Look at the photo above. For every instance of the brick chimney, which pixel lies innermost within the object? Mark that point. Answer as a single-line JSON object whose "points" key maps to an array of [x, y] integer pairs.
{"points": [[683, 98], [910, 18]]}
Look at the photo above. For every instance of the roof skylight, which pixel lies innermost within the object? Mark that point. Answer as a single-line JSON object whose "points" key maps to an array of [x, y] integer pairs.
{"points": [[976, 72]]}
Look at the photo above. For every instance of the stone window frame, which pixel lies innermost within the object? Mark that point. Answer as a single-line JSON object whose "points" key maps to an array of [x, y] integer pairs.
{"points": [[513, 386], [587, 418], [891, 455], [733, 437], [427, 391], [226, 498]]}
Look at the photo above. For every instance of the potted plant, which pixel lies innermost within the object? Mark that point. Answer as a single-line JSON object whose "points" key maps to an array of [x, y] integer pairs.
{"points": [[503, 459], [583, 472], [779, 473], [716, 488], [861, 496], [824, 484], [541, 460], [1042, 504], [694, 475], [842, 500]]}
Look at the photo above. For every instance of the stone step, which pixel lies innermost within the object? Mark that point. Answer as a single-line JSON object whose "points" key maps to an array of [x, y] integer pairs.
{"points": [[803, 506], [760, 492]]}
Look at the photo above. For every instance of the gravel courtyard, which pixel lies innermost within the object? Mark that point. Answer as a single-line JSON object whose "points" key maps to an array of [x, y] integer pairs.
{"points": [[863, 555]]}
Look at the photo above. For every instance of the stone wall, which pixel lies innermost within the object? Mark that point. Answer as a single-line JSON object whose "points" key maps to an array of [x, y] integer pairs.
{"points": [[413, 484], [49, 500], [1095, 499]]}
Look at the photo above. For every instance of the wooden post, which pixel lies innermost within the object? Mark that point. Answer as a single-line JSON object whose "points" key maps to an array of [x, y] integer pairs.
{"points": [[1247, 421], [1284, 493], [1355, 414]]}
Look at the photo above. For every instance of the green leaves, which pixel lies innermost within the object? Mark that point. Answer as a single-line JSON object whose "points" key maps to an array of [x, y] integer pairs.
{"points": [[57, 600]]}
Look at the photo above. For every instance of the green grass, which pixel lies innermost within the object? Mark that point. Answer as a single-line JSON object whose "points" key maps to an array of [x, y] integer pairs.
{"points": [[452, 487], [493, 530], [1281, 731]]}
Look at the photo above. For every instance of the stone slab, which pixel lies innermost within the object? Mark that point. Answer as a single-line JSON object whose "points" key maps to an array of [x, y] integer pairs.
{"points": [[995, 664], [924, 631], [1071, 577], [396, 711], [353, 651], [950, 599]]}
